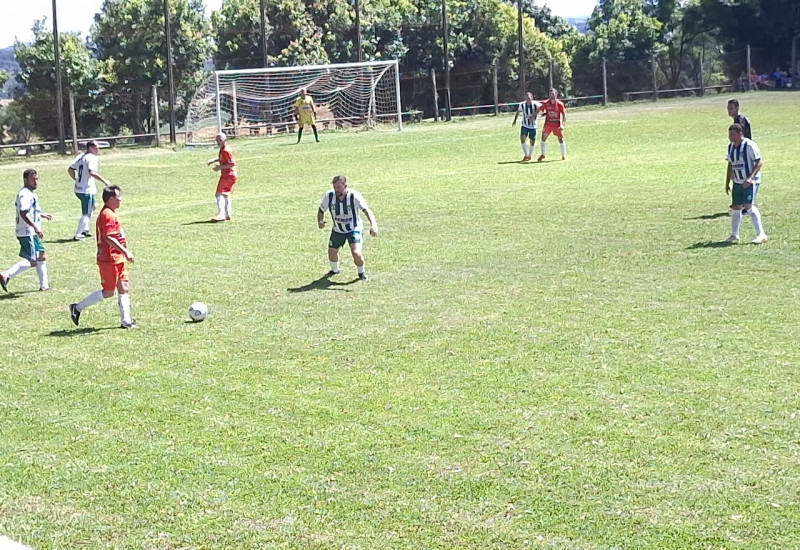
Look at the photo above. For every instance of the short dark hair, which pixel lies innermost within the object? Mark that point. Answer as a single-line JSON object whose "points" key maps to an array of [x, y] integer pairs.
{"points": [[92, 143], [111, 191], [340, 179], [28, 173], [736, 128], [734, 102]]}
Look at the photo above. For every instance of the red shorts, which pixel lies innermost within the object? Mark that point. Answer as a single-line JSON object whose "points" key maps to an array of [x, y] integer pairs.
{"points": [[226, 186], [111, 274], [552, 129]]}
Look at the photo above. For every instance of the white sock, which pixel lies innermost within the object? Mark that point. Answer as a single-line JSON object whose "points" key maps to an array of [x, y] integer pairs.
{"points": [[360, 269], [20, 267], [220, 206], [41, 269], [544, 148], [228, 206], [91, 300], [525, 149], [563, 146], [334, 266], [755, 215], [124, 301], [83, 225], [736, 221]]}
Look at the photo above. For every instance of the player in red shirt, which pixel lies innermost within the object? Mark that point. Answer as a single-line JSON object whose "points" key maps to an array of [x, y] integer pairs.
{"points": [[112, 257], [555, 114], [225, 164]]}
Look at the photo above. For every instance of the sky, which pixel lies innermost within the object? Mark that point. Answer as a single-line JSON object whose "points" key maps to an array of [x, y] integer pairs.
{"points": [[78, 15]]}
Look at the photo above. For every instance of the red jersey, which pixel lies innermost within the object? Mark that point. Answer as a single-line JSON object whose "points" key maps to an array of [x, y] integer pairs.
{"points": [[108, 226], [553, 111], [226, 157]]}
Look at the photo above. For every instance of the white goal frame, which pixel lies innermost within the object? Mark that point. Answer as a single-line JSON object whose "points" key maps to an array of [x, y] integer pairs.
{"points": [[226, 90]]}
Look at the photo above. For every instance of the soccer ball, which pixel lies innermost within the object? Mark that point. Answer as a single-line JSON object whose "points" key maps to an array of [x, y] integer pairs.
{"points": [[198, 311]]}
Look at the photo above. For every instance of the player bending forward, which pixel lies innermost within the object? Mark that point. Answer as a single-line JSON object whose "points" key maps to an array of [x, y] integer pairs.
{"points": [[344, 205]]}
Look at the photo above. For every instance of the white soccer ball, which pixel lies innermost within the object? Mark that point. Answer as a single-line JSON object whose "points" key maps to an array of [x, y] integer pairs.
{"points": [[198, 311]]}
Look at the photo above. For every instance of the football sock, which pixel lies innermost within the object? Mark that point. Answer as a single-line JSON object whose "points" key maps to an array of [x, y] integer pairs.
{"points": [[91, 300], [525, 149], [360, 269], [41, 270], [220, 206], [334, 266], [736, 221], [563, 147], [755, 215], [299, 134], [228, 206], [18, 268], [316, 135], [124, 301], [544, 148], [83, 225]]}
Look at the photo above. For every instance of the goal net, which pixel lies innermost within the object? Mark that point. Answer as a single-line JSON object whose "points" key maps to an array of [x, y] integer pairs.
{"points": [[261, 101]]}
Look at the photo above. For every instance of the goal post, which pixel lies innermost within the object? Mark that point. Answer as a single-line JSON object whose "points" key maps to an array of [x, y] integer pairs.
{"points": [[261, 101]]}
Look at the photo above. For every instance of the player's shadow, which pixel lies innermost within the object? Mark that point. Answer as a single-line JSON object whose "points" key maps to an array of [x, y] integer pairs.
{"points": [[323, 283], [515, 162], [709, 244], [709, 216], [13, 295], [200, 222], [62, 241], [76, 332]]}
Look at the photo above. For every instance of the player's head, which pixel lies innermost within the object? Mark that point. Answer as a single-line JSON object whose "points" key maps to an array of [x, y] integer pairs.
{"points": [[92, 147], [221, 139], [303, 92], [733, 107], [30, 178], [529, 97], [735, 133], [553, 94], [340, 186], [112, 195]]}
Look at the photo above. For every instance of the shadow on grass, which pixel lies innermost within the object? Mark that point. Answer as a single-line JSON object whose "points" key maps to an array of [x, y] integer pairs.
{"points": [[709, 216], [13, 295], [515, 162], [710, 244], [323, 283], [70, 240], [201, 222], [76, 332]]}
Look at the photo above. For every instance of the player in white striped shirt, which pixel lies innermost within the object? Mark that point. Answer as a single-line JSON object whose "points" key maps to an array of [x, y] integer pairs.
{"points": [[744, 168], [83, 171], [529, 109], [344, 205]]}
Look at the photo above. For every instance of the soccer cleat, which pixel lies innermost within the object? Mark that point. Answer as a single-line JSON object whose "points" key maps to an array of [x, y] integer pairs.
{"points": [[227, 218], [44, 289], [363, 276], [132, 324], [87, 234], [526, 158], [4, 283], [74, 313], [540, 159], [563, 158], [732, 239], [217, 219], [331, 273], [78, 237], [761, 239]]}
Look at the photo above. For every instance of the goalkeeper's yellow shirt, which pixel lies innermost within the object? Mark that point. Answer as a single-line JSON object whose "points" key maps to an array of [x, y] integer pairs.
{"points": [[305, 108]]}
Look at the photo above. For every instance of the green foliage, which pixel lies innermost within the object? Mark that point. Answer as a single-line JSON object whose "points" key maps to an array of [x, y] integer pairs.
{"points": [[129, 39], [4, 77], [80, 72]]}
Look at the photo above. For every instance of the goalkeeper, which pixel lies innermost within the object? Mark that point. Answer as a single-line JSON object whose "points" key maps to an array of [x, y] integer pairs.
{"points": [[306, 114]]}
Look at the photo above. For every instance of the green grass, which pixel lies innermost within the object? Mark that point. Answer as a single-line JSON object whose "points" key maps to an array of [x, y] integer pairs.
{"points": [[548, 355]]}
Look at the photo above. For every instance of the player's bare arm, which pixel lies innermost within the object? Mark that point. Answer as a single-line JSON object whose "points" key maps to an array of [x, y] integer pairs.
{"points": [[114, 243], [209, 162], [728, 179], [515, 118], [71, 172], [97, 176], [27, 220], [749, 181], [320, 219], [373, 223]]}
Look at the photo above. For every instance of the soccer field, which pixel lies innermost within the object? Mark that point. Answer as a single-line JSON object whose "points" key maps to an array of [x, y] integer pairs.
{"points": [[552, 355]]}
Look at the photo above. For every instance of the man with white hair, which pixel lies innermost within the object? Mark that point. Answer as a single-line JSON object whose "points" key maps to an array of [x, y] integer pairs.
{"points": [[225, 164]]}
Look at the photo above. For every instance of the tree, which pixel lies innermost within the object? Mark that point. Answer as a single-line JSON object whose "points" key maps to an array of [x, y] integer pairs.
{"points": [[129, 38], [552, 25], [4, 77], [80, 72]]}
